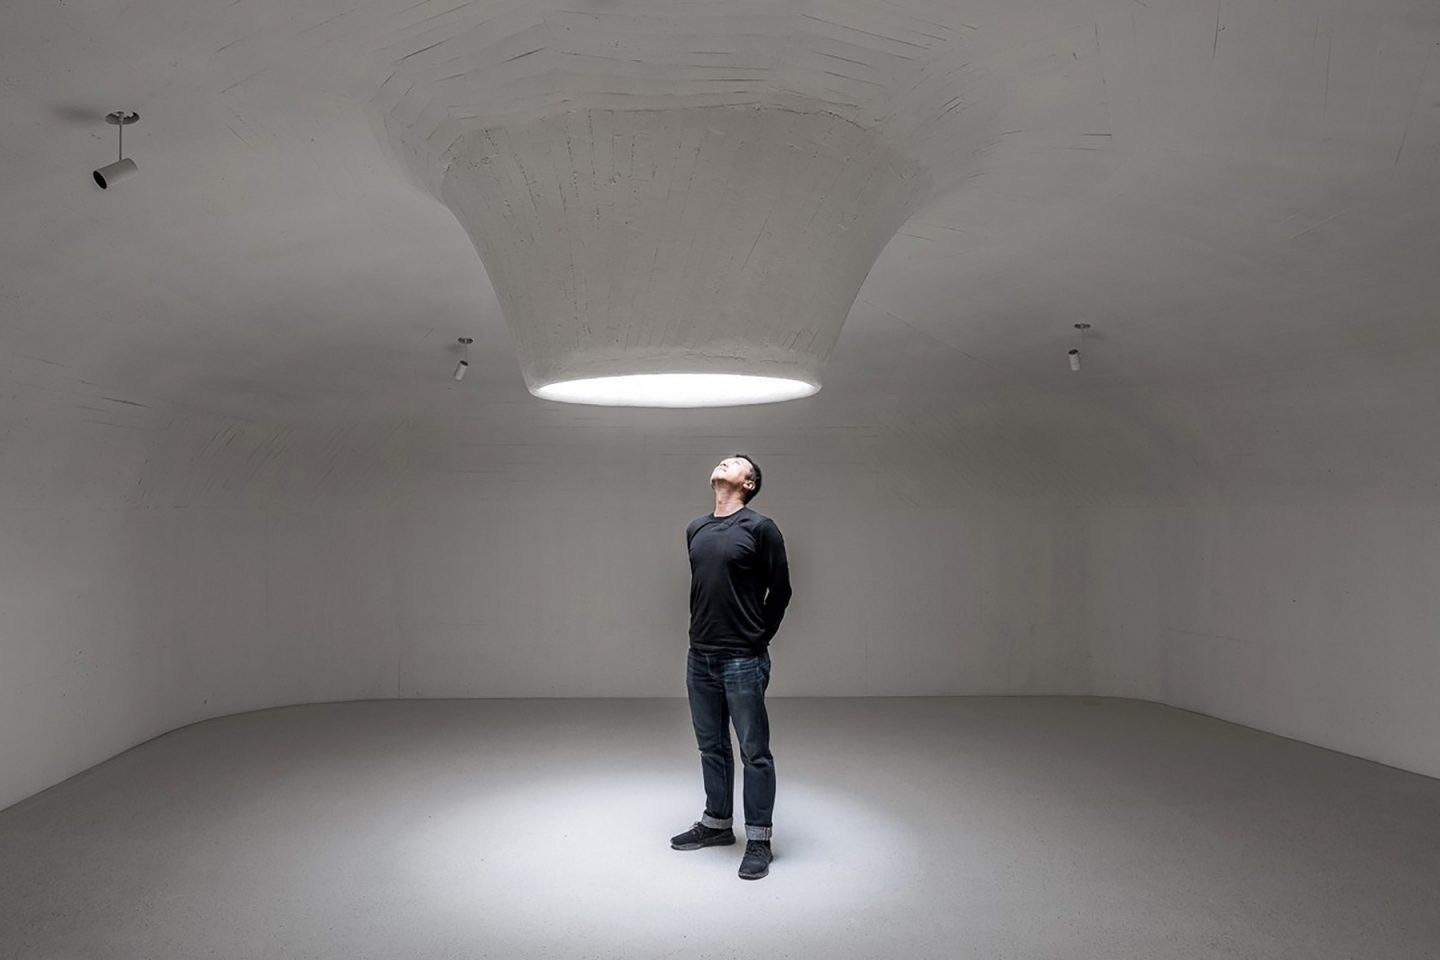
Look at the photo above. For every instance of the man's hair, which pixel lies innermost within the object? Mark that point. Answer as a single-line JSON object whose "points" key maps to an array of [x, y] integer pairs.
{"points": [[754, 474]]}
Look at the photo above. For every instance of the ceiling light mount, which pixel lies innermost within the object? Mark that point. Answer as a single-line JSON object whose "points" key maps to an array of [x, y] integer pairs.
{"points": [[1074, 352], [464, 363], [123, 168]]}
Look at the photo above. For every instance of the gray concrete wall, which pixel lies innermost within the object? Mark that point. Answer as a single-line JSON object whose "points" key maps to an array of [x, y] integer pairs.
{"points": [[117, 625], [204, 566], [1319, 622], [163, 565]]}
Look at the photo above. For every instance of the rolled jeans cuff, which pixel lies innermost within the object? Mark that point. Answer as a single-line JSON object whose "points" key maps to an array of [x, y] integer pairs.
{"points": [[715, 823], [756, 833]]}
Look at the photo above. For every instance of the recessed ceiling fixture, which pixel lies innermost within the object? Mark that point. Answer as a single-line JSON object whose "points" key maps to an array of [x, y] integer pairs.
{"points": [[124, 168], [676, 390]]}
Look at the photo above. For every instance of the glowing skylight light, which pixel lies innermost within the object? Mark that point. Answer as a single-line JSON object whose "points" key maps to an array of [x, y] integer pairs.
{"points": [[677, 390]]}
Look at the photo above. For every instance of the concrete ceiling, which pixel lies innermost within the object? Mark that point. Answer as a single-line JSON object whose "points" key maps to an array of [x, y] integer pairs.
{"points": [[1243, 198]]}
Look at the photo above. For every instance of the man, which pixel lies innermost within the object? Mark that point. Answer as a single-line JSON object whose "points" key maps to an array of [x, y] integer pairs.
{"points": [[739, 588]]}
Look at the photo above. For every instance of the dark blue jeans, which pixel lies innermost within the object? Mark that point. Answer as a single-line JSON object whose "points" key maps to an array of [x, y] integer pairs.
{"points": [[728, 689]]}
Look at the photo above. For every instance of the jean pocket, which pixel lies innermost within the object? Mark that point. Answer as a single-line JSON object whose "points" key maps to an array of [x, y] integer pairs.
{"points": [[747, 670]]}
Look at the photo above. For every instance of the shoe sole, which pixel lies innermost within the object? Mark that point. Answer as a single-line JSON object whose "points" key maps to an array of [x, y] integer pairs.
{"points": [[704, 843], [755, 876]]}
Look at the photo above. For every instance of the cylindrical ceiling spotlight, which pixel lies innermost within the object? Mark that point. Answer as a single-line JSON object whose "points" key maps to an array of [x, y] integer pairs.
{"points": [[1075, 351], [464, 363], [123, 168]]}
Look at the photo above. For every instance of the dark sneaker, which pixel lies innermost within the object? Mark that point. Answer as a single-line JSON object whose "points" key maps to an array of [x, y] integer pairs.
{"points": [[700, 835], [757, 860]]}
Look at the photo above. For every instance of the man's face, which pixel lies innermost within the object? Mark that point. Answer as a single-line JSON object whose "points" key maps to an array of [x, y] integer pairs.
{"points": [[734, 471]]}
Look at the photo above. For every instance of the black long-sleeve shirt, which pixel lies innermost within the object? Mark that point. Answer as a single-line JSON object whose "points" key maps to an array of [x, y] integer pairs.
{"points": [[739, 582]]}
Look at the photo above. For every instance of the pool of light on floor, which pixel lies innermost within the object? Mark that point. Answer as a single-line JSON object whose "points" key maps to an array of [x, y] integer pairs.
{"points": [[677, 390], [565, 854]]}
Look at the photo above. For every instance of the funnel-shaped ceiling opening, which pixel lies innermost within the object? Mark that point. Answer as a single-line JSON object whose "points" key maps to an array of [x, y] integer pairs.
{"points": [[659, 244]]}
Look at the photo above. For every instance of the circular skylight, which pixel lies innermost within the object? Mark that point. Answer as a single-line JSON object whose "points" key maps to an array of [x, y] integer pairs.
{"points": [[676, 390]]}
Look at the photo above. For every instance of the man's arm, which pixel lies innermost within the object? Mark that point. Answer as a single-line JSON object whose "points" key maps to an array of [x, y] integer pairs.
{"points": [[778, 597]]}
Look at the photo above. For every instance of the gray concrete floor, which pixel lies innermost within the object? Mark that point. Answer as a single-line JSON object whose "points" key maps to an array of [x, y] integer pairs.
{"points": [[997, 827]]}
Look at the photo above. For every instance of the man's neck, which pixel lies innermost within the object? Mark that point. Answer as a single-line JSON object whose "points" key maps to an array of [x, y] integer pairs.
{"points": [[723, 508]]}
